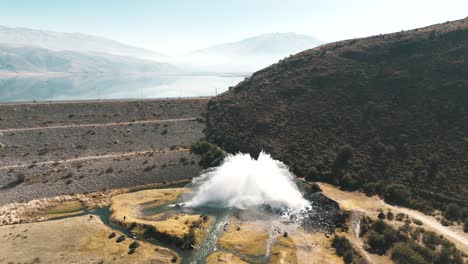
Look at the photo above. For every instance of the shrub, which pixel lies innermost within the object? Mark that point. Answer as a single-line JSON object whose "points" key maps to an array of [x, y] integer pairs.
{"points": [[372, 188], [449, 255], [390, 216], [343, 248], [397, 194], [421, 205], [349, 183], [381, 237], [344, 154], [134, 245], [211, 154], [400, 216], [120, 239], [431, 240], [417, 222], [377, 242], [131, 251], [403, 254], [112, 235], [452, 211], [381, 216], [312, 174]]}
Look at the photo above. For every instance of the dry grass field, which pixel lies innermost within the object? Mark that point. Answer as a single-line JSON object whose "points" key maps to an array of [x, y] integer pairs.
{"points": [[74, 240]]}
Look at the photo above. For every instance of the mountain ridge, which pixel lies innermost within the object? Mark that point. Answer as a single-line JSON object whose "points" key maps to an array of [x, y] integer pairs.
{"points": [[39, 60], [61, 41]]}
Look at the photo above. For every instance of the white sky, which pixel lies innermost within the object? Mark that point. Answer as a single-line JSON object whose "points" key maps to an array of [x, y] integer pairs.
{"points": [[177, 26]]}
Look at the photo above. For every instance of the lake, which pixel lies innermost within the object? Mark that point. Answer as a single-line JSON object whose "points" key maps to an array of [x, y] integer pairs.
{"points": [[99, 87]]}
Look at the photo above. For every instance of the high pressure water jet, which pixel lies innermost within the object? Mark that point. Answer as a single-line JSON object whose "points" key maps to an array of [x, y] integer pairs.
{"points": [[242, 182]]}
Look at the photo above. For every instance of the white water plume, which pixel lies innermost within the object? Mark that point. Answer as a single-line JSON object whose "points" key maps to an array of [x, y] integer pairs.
{"points": [[242, 182]]}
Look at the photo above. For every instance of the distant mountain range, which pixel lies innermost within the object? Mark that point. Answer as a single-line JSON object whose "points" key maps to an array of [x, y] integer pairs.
{"points": [[248, 55], [58, 41], [40, 51], [40, 60]]}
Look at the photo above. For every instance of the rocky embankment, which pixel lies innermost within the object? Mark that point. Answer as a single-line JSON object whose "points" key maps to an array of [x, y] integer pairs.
{"points": [[50, 149]]}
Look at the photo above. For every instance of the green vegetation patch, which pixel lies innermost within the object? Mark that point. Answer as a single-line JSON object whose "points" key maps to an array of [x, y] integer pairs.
{"points": [[211, 154]]}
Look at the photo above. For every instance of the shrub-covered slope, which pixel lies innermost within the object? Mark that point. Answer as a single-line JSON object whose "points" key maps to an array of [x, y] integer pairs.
{"points": [[387, 114]]}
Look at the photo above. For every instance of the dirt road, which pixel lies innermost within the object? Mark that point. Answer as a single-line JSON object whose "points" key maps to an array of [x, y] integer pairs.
{"points": [[98, 125], [96, 157], [371, 205]]}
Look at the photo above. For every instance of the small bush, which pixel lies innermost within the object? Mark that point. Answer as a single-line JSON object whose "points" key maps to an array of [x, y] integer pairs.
{"points": [[120, 239], [390, 216], [400, 216], [112, 235], [131, 251], [134, 245], [381, 216]]}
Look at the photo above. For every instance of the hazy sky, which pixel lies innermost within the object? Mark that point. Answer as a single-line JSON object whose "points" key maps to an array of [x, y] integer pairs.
{"points": [[176, 26]]}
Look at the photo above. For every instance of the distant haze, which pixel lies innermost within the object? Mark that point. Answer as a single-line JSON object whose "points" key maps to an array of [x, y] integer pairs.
{"points": [[58, 41], [247, 55], [179, 26], [31, 50]]}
